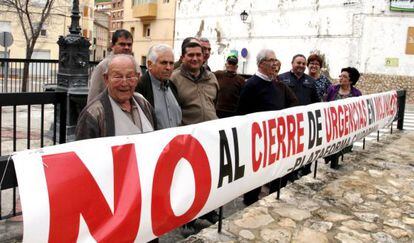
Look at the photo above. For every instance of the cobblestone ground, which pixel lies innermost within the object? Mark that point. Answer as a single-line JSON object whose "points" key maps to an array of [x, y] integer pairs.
{"points": [[369, 199]]}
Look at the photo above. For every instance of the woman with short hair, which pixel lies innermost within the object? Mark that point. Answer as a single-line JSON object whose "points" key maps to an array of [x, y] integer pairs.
{"points": [[322, 83], [345, 89]]}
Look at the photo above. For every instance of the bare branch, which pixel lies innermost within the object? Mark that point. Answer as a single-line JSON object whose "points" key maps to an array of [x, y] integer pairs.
{"points": [[32, 17]]}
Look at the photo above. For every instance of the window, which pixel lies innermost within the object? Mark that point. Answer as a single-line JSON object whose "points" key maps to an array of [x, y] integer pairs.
{"points": [[139, 2], [166, 1], [43, 31], [132, 30], [143, 60], [146, 30], [85, 11], [5, 26]]}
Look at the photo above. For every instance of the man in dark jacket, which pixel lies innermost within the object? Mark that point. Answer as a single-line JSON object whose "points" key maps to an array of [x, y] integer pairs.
{"points": [[304, 88], [156, 87], [263, 92], [230, 86]]}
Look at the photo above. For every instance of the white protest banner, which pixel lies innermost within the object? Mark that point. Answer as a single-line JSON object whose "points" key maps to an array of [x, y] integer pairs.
{"points": [[136, 188]]}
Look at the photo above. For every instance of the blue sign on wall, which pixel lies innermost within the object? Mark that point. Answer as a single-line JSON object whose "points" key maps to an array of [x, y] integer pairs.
{"points": [[244, 52]]}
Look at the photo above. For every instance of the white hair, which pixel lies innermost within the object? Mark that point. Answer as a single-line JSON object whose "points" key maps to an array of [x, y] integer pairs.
{"points": [[204, 39], [155, 50], [116, 56], [262, 55]]}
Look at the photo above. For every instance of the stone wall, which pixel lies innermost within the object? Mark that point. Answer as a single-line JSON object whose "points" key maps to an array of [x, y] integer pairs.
{"points": [[375, 83]]}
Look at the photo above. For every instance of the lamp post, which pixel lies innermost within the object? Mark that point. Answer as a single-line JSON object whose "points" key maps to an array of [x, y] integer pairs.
{"points": [[244, 15], [72, 76]]}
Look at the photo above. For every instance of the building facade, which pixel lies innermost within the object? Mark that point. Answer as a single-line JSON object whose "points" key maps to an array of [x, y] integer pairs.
{"points": [[364, 34], [101, 35], [56, 25], [150, 22]]}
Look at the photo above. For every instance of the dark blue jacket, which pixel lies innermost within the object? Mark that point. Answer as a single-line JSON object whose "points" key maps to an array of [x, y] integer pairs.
{"points": [[304, 88]]}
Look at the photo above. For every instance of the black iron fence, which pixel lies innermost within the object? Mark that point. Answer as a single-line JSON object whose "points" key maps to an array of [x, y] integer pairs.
{"points": [[42, 72], [27, 120]]}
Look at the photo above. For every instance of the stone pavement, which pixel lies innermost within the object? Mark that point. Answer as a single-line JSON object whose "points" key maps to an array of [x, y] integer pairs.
{"points": [[369, 199]]}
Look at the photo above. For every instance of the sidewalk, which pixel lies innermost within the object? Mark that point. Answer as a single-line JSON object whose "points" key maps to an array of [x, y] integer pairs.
{"points": [[369, 199]]}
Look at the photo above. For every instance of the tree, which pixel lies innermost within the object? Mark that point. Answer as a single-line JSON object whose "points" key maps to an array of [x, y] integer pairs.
{"points": [[32, 15]]}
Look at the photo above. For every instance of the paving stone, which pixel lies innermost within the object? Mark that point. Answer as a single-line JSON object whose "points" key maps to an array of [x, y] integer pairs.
{"points": [[293, 213], [353, 197], [394, 223], [393, 213], [383, 237], [408, 220], [345, 238], [355, 233], [247, 234], [321, 226], [376, 173], [306, 234], [367, 217], [334, 217], [287, 223], [406, 198], [353, 224], [276, 235], [254, 221], [398, 233]]}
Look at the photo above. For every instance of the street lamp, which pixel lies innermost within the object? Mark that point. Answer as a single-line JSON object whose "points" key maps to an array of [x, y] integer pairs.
{"points": [[72, 76], [244, 16]]}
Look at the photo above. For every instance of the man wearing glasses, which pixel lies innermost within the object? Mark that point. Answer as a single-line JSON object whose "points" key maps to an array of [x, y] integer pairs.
{"points": [[263, 92], [121, 44], [117, 110]]}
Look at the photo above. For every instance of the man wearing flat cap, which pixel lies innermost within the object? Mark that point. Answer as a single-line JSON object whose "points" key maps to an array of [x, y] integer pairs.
{"points": [[230, 86]]}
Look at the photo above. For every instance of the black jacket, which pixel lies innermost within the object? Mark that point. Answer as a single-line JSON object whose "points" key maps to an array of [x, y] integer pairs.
{"points": [[304, 88], [261, 95]]}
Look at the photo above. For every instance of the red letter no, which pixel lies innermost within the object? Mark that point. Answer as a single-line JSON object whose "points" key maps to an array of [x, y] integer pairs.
{"points": [[187, 147], [73, 191]]}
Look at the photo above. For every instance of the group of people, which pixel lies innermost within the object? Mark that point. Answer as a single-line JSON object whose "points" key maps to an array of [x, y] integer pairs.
{"points": [[121, 101]]}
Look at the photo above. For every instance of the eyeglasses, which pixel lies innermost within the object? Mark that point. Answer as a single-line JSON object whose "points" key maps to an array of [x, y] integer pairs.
{"points": [[314, 63], [119, 79], [272, 60]]}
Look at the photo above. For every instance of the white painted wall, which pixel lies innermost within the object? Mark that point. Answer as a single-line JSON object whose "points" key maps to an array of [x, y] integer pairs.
{"points": [[348, 32]]}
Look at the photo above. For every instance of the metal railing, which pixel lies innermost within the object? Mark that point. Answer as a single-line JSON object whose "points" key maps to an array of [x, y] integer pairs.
{"points": [[27, 120], [42, 72]]}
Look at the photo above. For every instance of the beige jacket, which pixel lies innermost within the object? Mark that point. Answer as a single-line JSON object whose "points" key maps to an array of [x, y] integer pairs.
{"points": [[97, 82], [197, 96]]}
